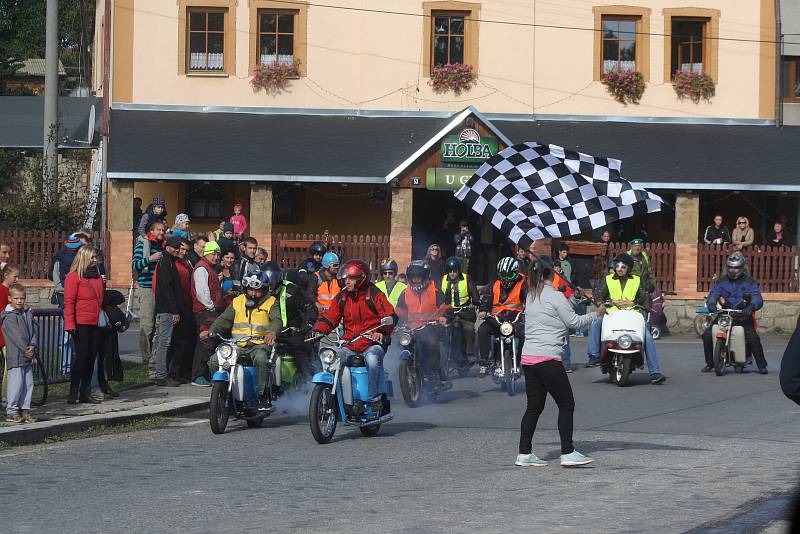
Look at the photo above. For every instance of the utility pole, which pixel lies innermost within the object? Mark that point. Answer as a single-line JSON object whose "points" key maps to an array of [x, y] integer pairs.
{"points": [[51, 86]]}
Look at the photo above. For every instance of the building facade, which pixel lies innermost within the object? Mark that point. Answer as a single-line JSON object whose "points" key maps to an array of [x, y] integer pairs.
{"points": [[358, 138]]}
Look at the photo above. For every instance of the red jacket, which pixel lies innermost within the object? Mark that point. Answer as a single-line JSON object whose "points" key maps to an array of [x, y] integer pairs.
{"points": [[185, 279], [83, 299], [354, 312], [213, 286]]}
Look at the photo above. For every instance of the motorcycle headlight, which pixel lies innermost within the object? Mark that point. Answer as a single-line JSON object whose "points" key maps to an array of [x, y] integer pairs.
{"points": [[327, 356], [624, 341], [225, 352], [506, 329], [724, 322], [405, 339]]}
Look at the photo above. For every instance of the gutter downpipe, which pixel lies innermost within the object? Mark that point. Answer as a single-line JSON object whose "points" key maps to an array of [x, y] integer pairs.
{"points": [[778, 55]]}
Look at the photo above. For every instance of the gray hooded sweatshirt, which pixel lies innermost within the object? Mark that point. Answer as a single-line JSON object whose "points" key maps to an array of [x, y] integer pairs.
{"points": [[20, 330], [548, 319]]}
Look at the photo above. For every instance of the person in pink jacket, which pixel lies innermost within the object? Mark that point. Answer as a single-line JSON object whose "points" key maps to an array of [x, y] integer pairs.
{"points": [[84, 290], [238, 221]]}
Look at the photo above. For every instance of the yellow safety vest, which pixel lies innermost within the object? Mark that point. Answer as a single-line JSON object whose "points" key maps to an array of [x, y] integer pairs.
{"points": [[462, 298], [616, 292], [397, 290], [254, 322]]}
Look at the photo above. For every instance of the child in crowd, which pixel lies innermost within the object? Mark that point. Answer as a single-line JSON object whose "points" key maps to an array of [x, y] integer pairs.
{"points": [[8, 277], [238, 220], [181, 228], [226, 241], [20, 331]]}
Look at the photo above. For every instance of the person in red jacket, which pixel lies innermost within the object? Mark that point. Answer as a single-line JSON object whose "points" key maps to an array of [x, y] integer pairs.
{"points": [[84, 290], [360, 307], [421, 302], [207, 303]]}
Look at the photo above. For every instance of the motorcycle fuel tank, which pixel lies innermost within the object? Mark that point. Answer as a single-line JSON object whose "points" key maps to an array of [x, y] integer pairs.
{"points": [[245, 383], [360, 383], [619, 322], [737, 346]]}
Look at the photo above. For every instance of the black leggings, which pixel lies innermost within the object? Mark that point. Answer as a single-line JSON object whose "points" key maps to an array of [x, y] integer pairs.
{"points": [[541, 379], [87, 344]]}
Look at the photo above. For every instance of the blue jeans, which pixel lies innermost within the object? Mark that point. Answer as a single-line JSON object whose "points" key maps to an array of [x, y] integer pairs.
{"points": [[649, 346], [374, 358]]}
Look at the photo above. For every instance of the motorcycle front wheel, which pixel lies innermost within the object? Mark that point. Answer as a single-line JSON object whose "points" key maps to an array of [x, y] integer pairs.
{"points": [[720, 356], [621, 369], [410, 383], [511, 379], [219, 408], [700, 323], [322, 413]]}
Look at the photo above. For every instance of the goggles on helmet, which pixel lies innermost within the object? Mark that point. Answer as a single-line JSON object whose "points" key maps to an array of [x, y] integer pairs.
{"points": [[252, 282]]}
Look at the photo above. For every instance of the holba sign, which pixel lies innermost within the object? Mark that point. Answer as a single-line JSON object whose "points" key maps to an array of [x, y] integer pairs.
{"points": [[467, 149]]}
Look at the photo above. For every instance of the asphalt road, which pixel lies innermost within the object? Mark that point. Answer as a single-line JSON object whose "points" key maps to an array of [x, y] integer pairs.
{"points": [[714, 454]]}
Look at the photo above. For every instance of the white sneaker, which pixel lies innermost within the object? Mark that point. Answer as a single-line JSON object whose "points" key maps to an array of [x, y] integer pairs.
{"points": [[574, 459], [527, 460]]}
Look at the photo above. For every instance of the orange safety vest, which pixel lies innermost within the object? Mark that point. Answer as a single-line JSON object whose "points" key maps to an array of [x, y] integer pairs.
{"points": [[327, 291], [513, 302], [421, 307]]}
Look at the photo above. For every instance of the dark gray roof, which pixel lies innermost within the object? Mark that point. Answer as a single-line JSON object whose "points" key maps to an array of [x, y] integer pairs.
{"points": [[190, 143], [698, 156], [22, 123]]}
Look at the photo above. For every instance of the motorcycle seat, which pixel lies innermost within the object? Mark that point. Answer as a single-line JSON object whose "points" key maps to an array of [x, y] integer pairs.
{"points": [[356, 360]]}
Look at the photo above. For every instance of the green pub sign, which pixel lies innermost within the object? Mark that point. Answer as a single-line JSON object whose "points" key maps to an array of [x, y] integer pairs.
{"points": [[467, 149]]}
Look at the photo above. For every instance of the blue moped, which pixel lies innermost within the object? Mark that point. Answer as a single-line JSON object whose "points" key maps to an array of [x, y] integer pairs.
{"points": [[341, 392]]}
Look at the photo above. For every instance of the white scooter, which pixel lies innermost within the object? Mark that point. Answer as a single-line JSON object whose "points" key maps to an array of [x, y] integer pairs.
{"points": [[729, 344], [622, 344]]}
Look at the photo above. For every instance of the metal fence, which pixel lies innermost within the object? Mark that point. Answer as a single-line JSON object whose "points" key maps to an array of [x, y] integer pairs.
{"points": [[55, 348]]}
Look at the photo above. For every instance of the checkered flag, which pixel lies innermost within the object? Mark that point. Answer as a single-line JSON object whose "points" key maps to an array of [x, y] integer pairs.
{"points": [[531, 191]]}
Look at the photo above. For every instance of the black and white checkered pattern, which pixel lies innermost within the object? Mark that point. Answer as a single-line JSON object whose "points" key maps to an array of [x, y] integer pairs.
{"points": [[531, 191]]}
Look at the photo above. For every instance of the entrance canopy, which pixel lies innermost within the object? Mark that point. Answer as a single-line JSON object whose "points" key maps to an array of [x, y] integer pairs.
{"points": [[409, 149]]}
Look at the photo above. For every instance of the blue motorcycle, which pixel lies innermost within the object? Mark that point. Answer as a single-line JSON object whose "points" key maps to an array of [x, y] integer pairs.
{"points": [[341, 393]]}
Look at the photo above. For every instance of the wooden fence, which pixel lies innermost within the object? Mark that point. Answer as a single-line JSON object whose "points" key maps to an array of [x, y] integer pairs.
{"points": [[774, 268], [289, 250], [33, 250], [662, 262]]}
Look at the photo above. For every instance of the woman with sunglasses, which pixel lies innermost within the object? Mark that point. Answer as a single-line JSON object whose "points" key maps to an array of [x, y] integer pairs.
{"points": [[743, 235]]}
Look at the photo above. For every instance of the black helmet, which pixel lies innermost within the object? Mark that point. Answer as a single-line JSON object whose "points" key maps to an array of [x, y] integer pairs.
{"points": [[508, 271], [624, 258], [317, 247], [388, 265], [418, 268], [736, 260], [274, 275], [452, 264]]}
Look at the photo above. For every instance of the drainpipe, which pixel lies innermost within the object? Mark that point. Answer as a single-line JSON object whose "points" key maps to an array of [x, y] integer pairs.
{"points": [[778, 54], [106, 117]]}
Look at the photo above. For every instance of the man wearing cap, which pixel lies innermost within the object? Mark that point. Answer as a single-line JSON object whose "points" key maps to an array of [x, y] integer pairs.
{"points": [[641, 263], [207, 304], [61, 264], [146, 254], [168, 308]]}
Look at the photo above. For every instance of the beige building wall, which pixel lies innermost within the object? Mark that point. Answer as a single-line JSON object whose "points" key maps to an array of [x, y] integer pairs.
{"points": [[367, 60]]}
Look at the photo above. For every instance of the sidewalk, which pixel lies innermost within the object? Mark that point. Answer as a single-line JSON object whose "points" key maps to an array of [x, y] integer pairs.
{"points": [[137, 402]]}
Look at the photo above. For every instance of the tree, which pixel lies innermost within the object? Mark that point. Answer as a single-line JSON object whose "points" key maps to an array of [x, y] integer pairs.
{"points": [[22, 32]]}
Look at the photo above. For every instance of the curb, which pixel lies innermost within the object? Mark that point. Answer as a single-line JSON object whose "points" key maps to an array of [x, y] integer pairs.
{"points": [[37, 432]]}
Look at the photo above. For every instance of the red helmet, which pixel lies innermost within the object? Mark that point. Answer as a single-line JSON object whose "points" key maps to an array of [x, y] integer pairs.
{"points": [[355, 269]]}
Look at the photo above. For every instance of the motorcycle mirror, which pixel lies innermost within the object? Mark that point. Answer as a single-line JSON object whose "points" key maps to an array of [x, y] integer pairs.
{"points": [[387, 321]]}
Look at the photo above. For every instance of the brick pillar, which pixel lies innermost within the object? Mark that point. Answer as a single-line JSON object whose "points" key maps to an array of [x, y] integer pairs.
{"points": [[400, 233], [260, 224], [120, 247], [687, 233]]}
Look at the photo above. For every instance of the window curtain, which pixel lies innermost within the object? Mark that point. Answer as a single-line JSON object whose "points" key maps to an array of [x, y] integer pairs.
{"points": [[283, 59], [216, 61], [622, 66]]}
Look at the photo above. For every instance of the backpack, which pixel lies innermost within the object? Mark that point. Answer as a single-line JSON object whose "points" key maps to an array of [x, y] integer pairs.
{"points": [[341, 299]]}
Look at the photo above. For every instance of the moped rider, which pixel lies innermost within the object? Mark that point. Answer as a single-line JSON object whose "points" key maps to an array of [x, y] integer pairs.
{"points": [[420, 303], [459, 291], [313, 263], [389, 284], [296, 312], [625, 290], [505, 298], [327, 284], [360, 307], [730, 292], [252, 313]]}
